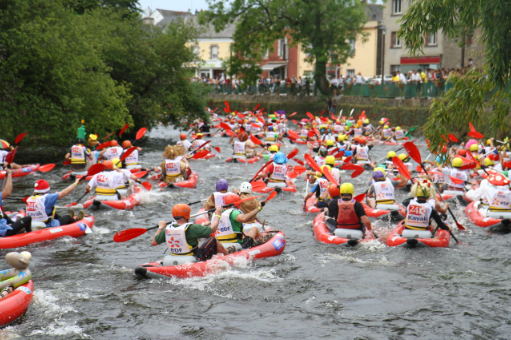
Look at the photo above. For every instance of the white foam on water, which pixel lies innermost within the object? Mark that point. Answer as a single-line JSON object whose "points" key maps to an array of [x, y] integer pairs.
{"points": [[382, 260], [147, 197], [46, 303], [9, 333], [59, 328], [100, 230], [372, 246]]}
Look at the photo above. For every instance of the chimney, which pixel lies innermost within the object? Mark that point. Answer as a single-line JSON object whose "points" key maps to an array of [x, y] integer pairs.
{"points": [[148, 21]]}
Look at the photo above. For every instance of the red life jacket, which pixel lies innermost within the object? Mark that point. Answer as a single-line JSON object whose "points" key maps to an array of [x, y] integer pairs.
{"points": [[347, 217]]}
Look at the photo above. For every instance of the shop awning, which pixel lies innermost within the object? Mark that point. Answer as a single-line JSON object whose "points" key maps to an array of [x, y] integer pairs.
{"points": [[420, 60], [270, 67]]}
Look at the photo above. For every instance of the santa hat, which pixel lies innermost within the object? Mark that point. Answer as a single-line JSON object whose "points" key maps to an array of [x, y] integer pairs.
{"points": [[41, 186], [498, 180]]}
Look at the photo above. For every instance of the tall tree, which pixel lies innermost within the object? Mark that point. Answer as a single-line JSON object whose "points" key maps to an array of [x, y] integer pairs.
{"points": [[479, 96], [322, 28]]}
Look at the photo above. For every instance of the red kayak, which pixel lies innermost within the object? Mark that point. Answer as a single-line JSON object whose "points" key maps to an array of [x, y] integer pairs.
{"points": [[384, 209], [126, 204], [481, 216], [323, 234], [191, 182], [14, 305], [80, 174], [200, 219], [26, 170], [273, 247], [415, 239], [250, 160], [290, 187], [310, 206], [76, 229]]}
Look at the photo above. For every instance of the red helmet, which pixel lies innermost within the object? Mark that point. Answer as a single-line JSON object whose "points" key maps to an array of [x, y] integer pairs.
{"points": [[231, 198], [182, 136], [362, 140], [462, 152], [108, 165], [114, 143], [356, 139], [181, 211], [243, 136], [334, 191], [126, 144]]}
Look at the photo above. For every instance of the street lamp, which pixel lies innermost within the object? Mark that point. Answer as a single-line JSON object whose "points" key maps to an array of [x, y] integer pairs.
{"points": [[383, 29]]}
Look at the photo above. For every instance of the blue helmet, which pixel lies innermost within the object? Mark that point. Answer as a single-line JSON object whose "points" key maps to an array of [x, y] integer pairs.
{"points": [[378, 174], [270, 128], [280, 158], [222, 184]]}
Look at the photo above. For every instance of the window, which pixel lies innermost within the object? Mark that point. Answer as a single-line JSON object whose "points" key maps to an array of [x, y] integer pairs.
{"points": [[395, 68], [396, 6], [431, 39], [214, 52], [352, 46], [350, 73], [266, 54], [281, 50], [394, 40]]}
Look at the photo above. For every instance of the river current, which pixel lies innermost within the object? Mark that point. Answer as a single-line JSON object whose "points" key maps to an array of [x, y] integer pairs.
{"points": [[86, 288]]}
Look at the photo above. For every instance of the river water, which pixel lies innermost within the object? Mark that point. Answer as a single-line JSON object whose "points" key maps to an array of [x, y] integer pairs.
{"points": [[86, 289]]}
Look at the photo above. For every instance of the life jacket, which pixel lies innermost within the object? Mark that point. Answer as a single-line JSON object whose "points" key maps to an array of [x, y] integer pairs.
{"points": [[500, 200], [438, 178], [304, 134], [347, 217], [113, 152], [36, 209], [338, 128], [270, 136], [337, 174], [175, 238], [184, 144], [3, 154], [357, 131], [418, 215], [239, 150], [368, 130], [220, 198], [362, 153], [173, 167], [122, 184], [279, 173], [132, 159], [78, 154], [320, 160], [197, 143], [225, 232], [387, 133], [384, 192], [399, 135], [107, 181], [456, 174], [323, 185]]}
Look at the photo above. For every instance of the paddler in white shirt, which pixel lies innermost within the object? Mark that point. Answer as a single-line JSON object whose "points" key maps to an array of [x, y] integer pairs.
{"points": [[106, 183]]}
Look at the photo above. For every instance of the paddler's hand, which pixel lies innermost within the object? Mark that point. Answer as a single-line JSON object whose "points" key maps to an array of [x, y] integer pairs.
{"points": [[7, 170], [218, 210], [87, 189], [77, 181], [263, 203]]}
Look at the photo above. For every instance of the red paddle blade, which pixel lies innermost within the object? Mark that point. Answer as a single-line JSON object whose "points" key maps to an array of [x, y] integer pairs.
{"points": [[322, 112], [217, 149], [468, 166], [357, 173], [472, 128], [475, 134], [329, 175], [46, 167], [456, 180], [413, 151], [20, 137], [507, 164], [240, 115], [254, 125], [302, 163], [95, 169], [10, 156], [225, 126], [293, 135], [473, 158], [348, 159], [246, 199], [310, 115], [256, 107], [294, 121], [227, 107], [229, 133], [255, 140], [67, 162], [272, 196], [226, 111], [293, 153], [25, 199], [292, 114], [403, 170], [141, 133], [258, 185], [349, 166], [263, 167], [148, 186], [129, 234], [312, 163], [200, 154], [103, 145], [360, 198], [128, 152], [113, 133], [453, 138], [123, 129], [140, 174], [339, 155]]}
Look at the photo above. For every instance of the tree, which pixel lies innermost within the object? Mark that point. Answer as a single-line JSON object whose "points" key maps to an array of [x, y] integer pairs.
{"points": [[322, 28], [479, 96]]}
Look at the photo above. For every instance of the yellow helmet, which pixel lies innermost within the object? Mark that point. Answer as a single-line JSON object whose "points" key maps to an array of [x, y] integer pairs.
{"points": [[403, 157], [382, 121], [385, 126], [366, 121], [347, 188], [93, 137], [330, 160], [341, 137], [398, 128], [329, 142], [488, 162], [346, 128], [488, 142], [380, 169], [391, 154], [457, 162], [474, 147], [274, 148], [422, 190], [117, 162]]}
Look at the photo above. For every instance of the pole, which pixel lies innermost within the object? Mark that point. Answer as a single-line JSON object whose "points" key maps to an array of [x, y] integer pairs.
{"points": [[382, 55]]}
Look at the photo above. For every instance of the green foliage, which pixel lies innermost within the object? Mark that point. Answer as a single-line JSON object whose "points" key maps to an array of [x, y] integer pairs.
{"points": [[322, 28], [124, 6]]}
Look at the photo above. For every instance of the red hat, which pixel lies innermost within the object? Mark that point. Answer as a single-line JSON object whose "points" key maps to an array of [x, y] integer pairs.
{"points": [[494, 157], [41, 186], [498, 180], [491, 172]]}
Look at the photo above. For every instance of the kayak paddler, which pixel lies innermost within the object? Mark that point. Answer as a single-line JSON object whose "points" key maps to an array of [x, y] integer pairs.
{"points": [[131, 162], [275, 174], [347, 213], [218, 197], [106, 183], [421, 211], [7, 226], [114, 151], [3, 153], [184, 142], [174, 167], [79, 156]]}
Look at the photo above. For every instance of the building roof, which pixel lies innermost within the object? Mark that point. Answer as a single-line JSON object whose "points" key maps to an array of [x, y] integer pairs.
{"points": [[374, 12], [171, 16]]}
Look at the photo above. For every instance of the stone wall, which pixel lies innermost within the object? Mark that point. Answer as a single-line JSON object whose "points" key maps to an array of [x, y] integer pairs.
{"points": [[452, 53]]}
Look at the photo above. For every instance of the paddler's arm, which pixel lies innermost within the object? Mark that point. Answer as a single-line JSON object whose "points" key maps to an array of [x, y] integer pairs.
{"points": [[216, 219], [244, 218], [440, 223], [161, 226], [8, 184], [69, 189], [359, 210], [67, 155]]}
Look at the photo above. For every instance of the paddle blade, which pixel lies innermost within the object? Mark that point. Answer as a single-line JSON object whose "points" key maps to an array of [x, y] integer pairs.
{"points": [[237, 204], [128, 234], [140, 174], [46, 167], [225, 126], [475, 134], [264, 166], [256, 107], [310, 115], [255, 140], [294, 121], [302, 163], [128, 152], [254, 125], [227, 107], [292, 114], [473, 158], [272, 196], [354, 167], [312, 163], [113, 133], [123, 129], [453, 138], [329, 175], [403, 170], [200, 154], [507, 164], [217, 149], [25, 199], [456, 180], [103, 145], [468, 166], [148, 186], [141, 133], [95, 169], [413, 151], [293, 153], [472, 128], [357, 173], [348, 159], [240, 115], [10, 156], [360, 198], [258, 185], [67, 162], [339, 154], [293, 135], [20, 137]]}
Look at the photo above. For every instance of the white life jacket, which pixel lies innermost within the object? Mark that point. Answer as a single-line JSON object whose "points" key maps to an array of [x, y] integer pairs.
{"points": [[3, 154], [185, 144], [368, 130], [400, 135], [279, 173], [362, 153], [173, 167], [337, 174], [323, 185], [225, 232], [197, 143], [106, 182], [418, 215], [78, 154], [220, 198], [499, 199], [387, 133], [303, 134], [384, 192], [122, 184], [113, 152], [270, 136], [239, 150], [338, 128], [132, 159], [438, 178], [357, 131], [36, 209], [320, 160], [409, 166], [456, 174], [175, 238]]}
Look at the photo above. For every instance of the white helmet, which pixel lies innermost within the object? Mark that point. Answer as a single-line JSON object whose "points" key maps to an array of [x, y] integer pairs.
{"points": [[246, 187]]}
